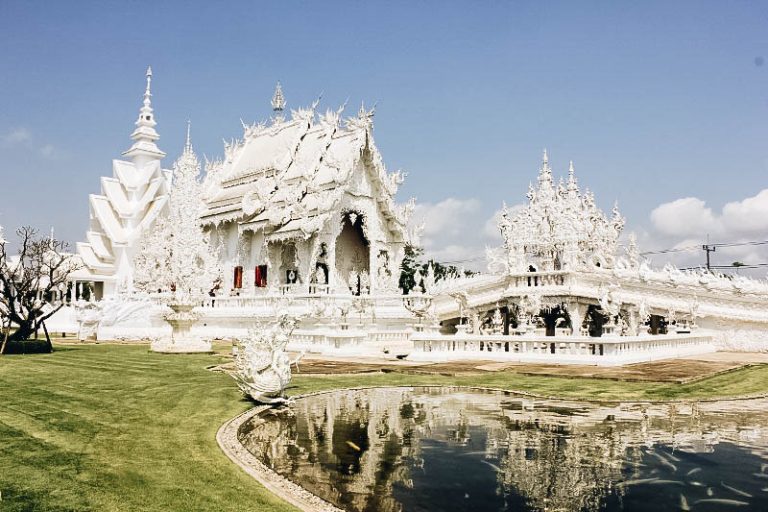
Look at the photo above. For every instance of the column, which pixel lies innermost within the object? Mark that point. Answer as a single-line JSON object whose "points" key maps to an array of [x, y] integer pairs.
{"points": [[576, 313]]}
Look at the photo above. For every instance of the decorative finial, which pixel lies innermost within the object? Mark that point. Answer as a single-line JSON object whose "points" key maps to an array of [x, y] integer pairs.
{"points": [[572, 185], [145, 136], [364, 113], [278, 100], [545, 173], [188, 143], [148, 92]]}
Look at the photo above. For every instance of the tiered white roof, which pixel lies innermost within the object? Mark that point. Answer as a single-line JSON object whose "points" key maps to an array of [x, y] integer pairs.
{"points": [[288, 177], [129, 202]]}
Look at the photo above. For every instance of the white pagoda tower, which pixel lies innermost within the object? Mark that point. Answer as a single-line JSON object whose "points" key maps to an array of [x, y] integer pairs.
{"points": [[129, 202]]}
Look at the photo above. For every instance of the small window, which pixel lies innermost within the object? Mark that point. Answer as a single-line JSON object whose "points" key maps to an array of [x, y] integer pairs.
{"points": [[261, 276], [238, 278]]}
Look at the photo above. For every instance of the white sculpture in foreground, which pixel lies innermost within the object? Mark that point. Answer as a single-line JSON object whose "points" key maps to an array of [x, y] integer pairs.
{"points": [[262, 366], [175, 255]]}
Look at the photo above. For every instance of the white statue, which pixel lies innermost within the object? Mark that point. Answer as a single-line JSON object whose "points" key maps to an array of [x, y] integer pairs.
{"points": [[88, 315], [262, 366], [497, 321]]}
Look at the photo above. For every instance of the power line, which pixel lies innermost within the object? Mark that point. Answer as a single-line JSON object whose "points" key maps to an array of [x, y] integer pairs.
{"points": [[673, 250], [699, 247], [468, 260], [750, 265], [667, 251], [737, 244], [729, 267]]}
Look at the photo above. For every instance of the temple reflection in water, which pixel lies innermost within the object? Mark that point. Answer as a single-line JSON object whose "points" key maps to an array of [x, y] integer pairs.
{"points": [[393, 449]]}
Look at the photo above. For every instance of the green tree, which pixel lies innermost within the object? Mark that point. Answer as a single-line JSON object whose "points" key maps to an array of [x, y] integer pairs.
{"points": [[412, 261]]}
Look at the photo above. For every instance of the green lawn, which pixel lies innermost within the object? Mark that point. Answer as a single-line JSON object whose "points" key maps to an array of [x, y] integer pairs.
{"points": [[115, 427]]}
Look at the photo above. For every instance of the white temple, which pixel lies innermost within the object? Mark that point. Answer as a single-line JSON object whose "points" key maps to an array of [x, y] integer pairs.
{"points": [[306, 204], [301, 215], [129, 202], [561, 289]]}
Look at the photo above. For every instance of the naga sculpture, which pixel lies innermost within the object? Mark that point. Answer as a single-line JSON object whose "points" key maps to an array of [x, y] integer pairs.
{"points": [[262, 366]]}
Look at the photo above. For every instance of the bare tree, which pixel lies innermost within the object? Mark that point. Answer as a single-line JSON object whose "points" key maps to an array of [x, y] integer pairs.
{"points": [[28, 282]]}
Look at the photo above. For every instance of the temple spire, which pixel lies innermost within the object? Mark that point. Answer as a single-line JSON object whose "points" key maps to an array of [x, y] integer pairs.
{"points": [[188, 142], [145, 135], [545, 174], [278, 100], [148, 91], [572, 184]]}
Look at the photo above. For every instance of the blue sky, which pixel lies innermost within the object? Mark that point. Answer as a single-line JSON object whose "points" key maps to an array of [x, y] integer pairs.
{"points": [[654, 101]]}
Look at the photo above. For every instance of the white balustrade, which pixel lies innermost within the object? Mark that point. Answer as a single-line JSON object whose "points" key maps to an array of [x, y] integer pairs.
{"points": [[607, 351]]}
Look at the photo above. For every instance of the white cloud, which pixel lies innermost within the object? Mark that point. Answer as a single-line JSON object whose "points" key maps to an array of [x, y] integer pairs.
{"points": [[446, 218], [684, 217], [22, 138], [49, 151], [690, 217], [16, 137], [456, 231], [748, 216], [688, 223]]}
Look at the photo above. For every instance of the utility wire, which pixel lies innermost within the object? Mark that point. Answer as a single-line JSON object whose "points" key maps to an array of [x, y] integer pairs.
{"points": [[667, 251], [698, 247]]}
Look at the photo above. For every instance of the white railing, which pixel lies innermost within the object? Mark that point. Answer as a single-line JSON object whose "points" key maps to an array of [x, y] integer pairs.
{"points": [[322, 340], [559, 349], [537, 279], [320, 293]]}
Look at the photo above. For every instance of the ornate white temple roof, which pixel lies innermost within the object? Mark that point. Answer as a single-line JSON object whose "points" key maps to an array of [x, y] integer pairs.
{"points": [[129, 201], [559, 228], [287, 177]]}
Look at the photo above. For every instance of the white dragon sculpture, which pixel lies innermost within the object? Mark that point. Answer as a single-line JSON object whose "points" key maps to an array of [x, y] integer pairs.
{"points": [[262, 366]]}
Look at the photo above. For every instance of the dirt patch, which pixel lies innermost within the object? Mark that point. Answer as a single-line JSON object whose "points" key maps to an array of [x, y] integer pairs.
{"points": [[681, 371], [672, 370]]}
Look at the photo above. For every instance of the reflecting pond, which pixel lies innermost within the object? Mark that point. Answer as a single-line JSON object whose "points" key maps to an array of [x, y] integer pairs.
{"points": [[458, 449]]}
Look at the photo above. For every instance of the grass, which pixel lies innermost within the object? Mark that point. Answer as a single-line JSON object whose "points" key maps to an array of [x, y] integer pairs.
{"points": [[115, 427], [749, 381]]}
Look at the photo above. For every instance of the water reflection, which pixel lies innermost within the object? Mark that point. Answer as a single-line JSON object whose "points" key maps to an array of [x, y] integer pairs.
{"points": [[452, 449]]}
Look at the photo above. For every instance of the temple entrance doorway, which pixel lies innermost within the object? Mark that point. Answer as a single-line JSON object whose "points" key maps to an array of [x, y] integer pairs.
{"points": [[595, 321], [551, 318], [658, 325], [353, 253]]}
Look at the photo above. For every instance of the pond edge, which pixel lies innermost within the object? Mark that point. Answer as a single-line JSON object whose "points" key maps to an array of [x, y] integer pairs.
{"points": [[299, 497]]}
